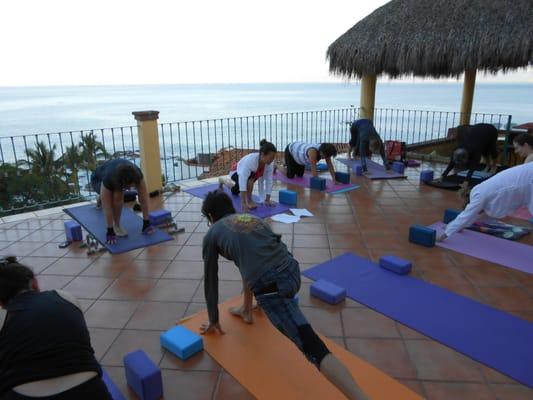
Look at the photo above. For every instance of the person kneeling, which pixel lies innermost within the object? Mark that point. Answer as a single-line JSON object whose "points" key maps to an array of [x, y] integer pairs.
{"points": [[272, 275]]}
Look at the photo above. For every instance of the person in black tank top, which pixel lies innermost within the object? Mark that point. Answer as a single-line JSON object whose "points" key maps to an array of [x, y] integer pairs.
{"points": [[109, 180], [43, 338]]}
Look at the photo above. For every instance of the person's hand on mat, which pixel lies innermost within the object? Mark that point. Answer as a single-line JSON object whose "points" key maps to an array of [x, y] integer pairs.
{"points": [[442, 236], [270, 203], [148, 229], [110, 237], [251, 205], [241, 312], [210, 327]]}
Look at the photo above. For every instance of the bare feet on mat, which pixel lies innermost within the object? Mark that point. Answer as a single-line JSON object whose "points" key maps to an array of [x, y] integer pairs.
{"points": [[209, 327], [242, 313]]}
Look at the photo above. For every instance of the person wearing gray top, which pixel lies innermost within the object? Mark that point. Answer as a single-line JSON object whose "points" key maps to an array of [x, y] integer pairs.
{"points": [[271, 274]]}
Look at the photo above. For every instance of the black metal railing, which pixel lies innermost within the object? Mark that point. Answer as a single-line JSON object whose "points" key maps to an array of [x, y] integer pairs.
{"points": [[44, 170]]}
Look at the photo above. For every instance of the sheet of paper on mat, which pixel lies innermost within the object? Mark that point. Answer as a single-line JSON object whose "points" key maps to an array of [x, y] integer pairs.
{"points": [[285, 218], [301, 212]]}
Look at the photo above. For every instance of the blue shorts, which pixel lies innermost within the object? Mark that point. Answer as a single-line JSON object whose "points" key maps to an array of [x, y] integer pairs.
{"points": [[274, 293]]}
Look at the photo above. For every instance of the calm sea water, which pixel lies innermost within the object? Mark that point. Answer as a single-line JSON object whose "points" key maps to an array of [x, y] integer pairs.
{"points": [[53, 109]]}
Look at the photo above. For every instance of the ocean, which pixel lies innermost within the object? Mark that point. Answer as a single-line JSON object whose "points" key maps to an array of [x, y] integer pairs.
{"points": [[34, 110]]}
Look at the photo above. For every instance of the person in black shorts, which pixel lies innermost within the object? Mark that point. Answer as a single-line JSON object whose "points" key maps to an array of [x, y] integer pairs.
{"points": [[45, 348], [474, 142], [109, 180]]}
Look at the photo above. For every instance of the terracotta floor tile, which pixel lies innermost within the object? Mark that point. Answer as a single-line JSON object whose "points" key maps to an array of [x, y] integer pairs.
{"points": [[145, 269], [226, 290], [507, 298], [312, 241], [133, 340], [159, 252], [185, 270], [157, 316], [366, 323], [201, 361], [324, 321], [434, 361], [129, 289], [378, 241], [230, 389], [50, 250], [189, 385], [408, 333], [228, 271], [309, 229], [42, 236], [343, 228], [67, 266], [21, 249], [447, 390], [389, 355], [106, 267], [193, 308], [174, 290], [110, 313], [53, 282], [195, 239], [88, 287], [337, 241], [453, 276], [415, 385], [512, 392], [37, 264], [489, 276], [493, 376], [13, 234], [311, 256], [101, 340], [190, 253]]}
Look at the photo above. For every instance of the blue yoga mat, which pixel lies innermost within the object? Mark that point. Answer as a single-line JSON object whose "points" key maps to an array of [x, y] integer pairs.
{"points": [[92, 219], [492, 337]]}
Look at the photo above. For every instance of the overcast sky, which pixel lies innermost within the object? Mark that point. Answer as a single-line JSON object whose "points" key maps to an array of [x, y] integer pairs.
{"points": [[74, 42]]}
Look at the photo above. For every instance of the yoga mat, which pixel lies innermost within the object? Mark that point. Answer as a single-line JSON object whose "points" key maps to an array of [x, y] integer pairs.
{"points": [[413, 163], [377, 171], [270, 366], [304, 181], [481, 175], [92, 219], [510, 254], [522, 213], [261, 211], [490, 336]]}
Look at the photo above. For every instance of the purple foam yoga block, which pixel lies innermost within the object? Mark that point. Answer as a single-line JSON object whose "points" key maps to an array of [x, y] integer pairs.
{"points": [[328, 292], [426, 175], [159, 217], [358, 170], [73, 231], [398, 166], [143, 376], [395, 264]]}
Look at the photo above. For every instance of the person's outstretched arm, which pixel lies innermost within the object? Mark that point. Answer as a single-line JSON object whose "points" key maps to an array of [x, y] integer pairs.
{"points": [[331, 169], [450, 166], [466, 218], [313, 159], [210, 256], [383, 156]]}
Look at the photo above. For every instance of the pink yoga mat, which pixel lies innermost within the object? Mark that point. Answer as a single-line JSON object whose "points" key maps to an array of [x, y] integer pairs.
{"points": [[510, 254], [304, 181], [522, 213]]}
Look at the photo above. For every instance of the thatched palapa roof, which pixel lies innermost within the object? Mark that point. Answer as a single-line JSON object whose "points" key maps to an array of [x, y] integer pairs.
{"points": [[436, 38]]}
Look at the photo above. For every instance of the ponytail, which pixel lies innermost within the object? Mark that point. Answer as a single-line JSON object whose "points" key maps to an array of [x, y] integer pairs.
{"points": [[265, 147]]}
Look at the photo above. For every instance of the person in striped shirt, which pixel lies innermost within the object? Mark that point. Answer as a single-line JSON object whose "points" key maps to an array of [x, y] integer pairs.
{"points": [[299, 155]]}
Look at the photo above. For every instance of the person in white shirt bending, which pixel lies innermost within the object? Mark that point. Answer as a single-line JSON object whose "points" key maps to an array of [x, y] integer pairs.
{"points": [[299, 155], [497, 197], [251, 168]]}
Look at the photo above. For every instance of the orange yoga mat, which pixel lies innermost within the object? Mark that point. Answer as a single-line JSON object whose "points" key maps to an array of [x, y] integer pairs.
{"points": [[270, 366]]}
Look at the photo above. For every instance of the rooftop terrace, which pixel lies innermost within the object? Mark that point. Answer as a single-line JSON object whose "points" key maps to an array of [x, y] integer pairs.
{"points": [[130, 298]]}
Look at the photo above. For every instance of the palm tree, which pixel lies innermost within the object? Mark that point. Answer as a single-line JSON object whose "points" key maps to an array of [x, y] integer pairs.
{"points": [[92, 150], [41, 159]]}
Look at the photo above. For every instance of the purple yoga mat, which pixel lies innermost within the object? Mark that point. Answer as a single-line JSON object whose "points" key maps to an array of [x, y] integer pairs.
{"points": [[377, 171], [304, 181], [490, 336], [489, 248], [261, 211]]}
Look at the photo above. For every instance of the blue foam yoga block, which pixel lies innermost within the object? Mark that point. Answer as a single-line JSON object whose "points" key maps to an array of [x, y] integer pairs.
{"points": [[321, 167], [318, 183], [423, 235], [395, 264], [426, 175], [328, 292], [159, 217], [450, 214], [288, 197], [182, 342], [111, 387], [398, 166], [342, 177], [143, 376], [358, 170], [73, 231]]}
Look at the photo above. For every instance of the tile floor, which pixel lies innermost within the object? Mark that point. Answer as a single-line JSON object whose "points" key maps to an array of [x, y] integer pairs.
{"points": [[130, 298]]}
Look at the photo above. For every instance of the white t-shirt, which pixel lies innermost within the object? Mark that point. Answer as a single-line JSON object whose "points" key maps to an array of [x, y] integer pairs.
{"points": [[248, 165]]}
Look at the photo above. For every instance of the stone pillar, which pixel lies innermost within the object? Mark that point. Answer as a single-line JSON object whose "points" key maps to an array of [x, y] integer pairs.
{"points": [[368, 95], [468, 96], [149, 149]]}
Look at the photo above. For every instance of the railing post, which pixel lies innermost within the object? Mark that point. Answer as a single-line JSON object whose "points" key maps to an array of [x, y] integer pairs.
{"points": [[149, 148]]}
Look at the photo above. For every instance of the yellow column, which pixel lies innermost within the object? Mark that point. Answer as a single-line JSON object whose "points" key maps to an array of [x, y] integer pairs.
{"points": [[468, 96], [368, 95], [149, 148]]}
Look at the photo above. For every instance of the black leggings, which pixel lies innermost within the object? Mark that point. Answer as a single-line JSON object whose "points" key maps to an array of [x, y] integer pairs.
{"points": [[90, 390], [293, 168]]}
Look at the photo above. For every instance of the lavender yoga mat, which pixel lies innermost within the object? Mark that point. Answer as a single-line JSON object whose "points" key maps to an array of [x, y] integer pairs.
{"points": [[377, 171], [261, 211], [490, 336], [304, 181], [489, 248]]}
